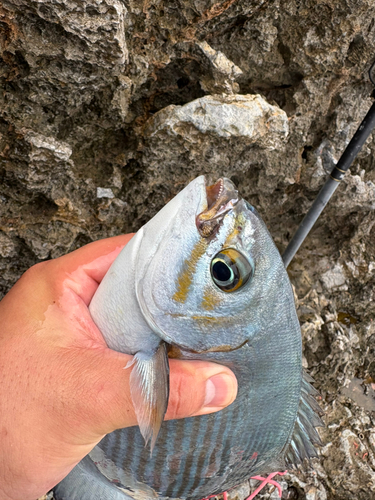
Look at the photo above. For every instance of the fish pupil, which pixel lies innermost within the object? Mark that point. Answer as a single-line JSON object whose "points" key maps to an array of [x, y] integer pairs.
{"points": [[221, 271], [230, 270]]}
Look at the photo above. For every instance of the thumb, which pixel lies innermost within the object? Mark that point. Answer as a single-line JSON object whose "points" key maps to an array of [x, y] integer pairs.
{"points": [[196, 388], [199, 387]]}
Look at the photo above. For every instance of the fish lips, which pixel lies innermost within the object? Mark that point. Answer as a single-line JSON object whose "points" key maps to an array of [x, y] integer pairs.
{"points": [[221, 197]]}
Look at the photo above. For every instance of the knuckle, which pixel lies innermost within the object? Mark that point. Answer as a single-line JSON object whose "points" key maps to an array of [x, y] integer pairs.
{"points": [[175, 406], [37, 271], [185, 396]]}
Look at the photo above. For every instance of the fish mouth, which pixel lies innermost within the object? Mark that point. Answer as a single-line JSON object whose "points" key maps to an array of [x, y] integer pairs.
{"points": [[221, 198], [177, 351], [222, 348]]}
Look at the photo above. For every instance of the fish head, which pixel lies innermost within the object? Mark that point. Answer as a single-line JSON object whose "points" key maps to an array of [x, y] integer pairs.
{"points": [[208, 271]]}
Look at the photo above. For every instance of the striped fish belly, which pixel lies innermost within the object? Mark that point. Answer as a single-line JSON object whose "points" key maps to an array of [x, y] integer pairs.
{"points": [[200, 456]]}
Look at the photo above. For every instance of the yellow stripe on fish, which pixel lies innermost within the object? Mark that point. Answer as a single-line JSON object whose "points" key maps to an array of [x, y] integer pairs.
{"points": [[210, 299], [239, 223], [185, 277]]}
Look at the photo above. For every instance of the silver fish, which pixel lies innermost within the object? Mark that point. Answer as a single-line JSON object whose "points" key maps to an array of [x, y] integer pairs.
{"points": [[205, 277]]}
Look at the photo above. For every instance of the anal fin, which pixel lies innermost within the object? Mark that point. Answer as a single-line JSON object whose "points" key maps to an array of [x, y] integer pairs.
{"points": [[149, 386]]}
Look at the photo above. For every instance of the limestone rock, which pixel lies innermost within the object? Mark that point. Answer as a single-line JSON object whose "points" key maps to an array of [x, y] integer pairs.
{"points": [[247, 117]]}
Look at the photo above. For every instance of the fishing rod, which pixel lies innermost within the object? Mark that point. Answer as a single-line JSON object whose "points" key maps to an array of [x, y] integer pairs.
{"points": [[333, 181]]}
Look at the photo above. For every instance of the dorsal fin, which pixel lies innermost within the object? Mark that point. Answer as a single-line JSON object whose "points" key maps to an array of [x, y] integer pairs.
{"points": [[304, 436]]}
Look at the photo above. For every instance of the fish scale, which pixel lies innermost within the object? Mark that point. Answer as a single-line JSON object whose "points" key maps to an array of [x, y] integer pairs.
{"points": [[253, 330], [174, 433]]}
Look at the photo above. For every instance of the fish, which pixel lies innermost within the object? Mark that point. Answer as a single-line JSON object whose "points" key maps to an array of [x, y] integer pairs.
{"points": [[202, 280]]}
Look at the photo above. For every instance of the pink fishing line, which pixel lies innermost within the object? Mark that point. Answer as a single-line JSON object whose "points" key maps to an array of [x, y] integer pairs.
{"points": [[265, 481]]}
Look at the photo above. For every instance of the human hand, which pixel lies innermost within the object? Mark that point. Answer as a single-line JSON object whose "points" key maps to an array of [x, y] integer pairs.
{"points": [[62, 389]]}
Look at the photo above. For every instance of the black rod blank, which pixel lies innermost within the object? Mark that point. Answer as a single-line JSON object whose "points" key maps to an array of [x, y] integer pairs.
{"points": [[331, 184]]}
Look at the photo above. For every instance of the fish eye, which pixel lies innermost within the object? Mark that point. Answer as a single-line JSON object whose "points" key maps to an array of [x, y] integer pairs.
{"points": [[230, 270]]}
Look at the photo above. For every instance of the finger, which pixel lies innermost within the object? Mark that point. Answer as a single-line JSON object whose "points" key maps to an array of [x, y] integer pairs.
{"points": [[83, 269], [196, 388], [199, 387], [95, 257]]}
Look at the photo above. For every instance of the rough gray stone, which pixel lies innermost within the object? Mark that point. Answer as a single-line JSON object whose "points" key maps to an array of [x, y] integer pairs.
{"points": [[248, 117], [104, 193], [225, 72]]}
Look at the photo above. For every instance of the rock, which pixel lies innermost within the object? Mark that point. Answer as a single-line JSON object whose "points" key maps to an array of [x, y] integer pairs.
{"points": [[334, 278], [209, 134], [47, 497], [104, 193], [247, 117], [240, 492], [7, 246], [225, 72]]}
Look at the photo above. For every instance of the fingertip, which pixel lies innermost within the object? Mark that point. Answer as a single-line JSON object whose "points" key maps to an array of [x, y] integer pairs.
{"points": [[221, 391]]}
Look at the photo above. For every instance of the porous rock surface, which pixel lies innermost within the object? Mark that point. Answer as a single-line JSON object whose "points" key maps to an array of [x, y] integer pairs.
{"points": [[109, 107]]}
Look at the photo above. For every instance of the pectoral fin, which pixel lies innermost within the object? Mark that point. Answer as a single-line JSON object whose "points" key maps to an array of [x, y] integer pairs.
{"points": [[149, 386]]}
